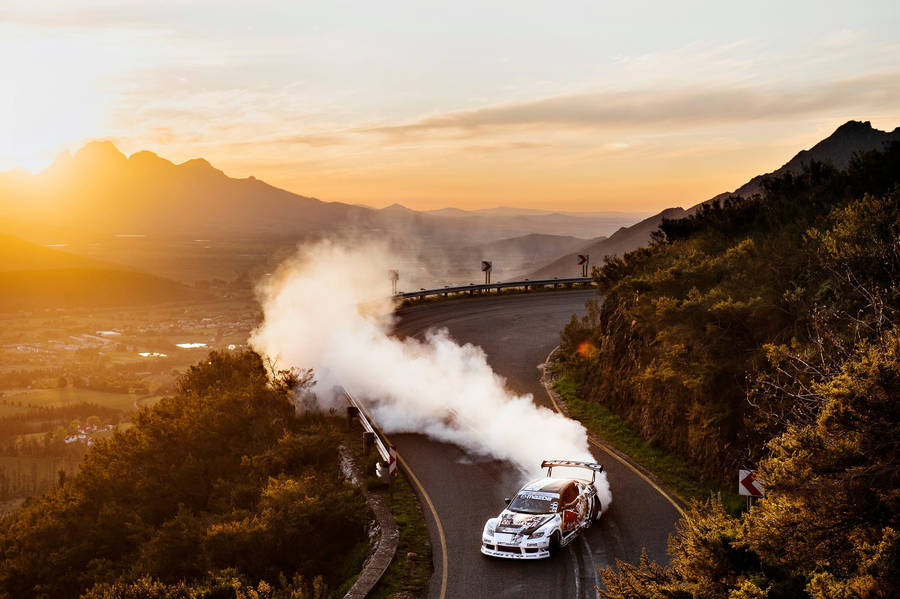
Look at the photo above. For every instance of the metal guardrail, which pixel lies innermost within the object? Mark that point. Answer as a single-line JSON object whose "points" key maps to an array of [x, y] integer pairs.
{"points": [[371, 433], [471, 289]]}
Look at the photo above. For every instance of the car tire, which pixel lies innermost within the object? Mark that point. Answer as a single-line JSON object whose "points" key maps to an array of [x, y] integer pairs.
{"points": [[555, 543]]}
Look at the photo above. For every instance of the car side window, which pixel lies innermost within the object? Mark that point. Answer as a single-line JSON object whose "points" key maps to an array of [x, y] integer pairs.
{"points": [[569, 495]]}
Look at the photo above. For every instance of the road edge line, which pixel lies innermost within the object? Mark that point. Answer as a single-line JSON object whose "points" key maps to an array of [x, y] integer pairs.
{"points": [[615, 454], [424, 494], [437, 521]]}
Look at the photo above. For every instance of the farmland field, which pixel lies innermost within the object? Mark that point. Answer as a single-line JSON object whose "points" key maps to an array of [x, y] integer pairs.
{"points": [[52, 398]]}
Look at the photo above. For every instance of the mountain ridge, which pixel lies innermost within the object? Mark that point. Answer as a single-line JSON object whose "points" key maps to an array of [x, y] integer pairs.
{"points": [[99, 188], [837, 150]]}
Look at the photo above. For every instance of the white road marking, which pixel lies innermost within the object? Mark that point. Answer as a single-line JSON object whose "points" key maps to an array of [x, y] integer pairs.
{"points": [[590, 555], [577, 572]]}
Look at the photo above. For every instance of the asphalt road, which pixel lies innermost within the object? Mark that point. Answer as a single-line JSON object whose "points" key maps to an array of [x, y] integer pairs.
{"points": [[517, 332]]}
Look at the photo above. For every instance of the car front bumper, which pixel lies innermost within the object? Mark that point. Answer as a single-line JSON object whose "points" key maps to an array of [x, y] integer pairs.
{"points": [[513, 550]]}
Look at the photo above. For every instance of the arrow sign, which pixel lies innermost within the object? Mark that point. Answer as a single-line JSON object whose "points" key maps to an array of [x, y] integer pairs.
{"points": [[392, 462], [748, 485], [486, 266], [394, 275], [582, 259]]}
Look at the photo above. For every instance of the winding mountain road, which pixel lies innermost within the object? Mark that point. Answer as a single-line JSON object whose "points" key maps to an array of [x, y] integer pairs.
{"points": [[517, 332]]}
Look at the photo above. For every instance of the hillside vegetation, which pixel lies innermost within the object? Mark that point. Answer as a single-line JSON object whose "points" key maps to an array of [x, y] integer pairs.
{"points": [[761, 333], [219, 491]]}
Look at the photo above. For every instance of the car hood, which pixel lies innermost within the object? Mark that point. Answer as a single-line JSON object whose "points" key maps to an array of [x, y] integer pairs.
{"points": [[521, 523]]}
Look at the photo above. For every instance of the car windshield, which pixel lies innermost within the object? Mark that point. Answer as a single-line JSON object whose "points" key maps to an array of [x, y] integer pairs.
{"points": [[534, 503]]}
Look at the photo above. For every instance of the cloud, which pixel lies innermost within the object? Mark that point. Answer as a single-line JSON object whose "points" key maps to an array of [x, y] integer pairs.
{"points": [[695, 106]]}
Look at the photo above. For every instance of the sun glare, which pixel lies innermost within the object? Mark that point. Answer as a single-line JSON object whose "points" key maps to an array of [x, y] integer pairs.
{"points": [[55, 97]]}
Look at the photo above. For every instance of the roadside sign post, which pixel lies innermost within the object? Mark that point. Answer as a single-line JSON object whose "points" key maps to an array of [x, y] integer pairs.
{"points": [[486, 267], [392, 461], [750, 486], [584, 261], [394, 276]]}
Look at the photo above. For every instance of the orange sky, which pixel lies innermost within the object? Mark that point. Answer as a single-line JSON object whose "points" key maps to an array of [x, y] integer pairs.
{"points": [[587, 106]]}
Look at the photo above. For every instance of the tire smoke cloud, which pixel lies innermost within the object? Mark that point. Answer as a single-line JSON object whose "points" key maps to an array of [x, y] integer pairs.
{"points": [[328, 308]]}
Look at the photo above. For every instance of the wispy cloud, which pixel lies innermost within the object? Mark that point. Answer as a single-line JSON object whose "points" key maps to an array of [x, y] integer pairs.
{"points": [[314, 140], [655, 107]]}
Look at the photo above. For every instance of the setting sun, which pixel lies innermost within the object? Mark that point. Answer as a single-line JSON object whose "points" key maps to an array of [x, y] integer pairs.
{"points": [[426, 107]]}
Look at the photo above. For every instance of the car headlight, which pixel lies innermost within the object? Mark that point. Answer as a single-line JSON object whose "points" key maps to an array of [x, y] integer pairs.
{"points": [[536, 534], [489, 529]]}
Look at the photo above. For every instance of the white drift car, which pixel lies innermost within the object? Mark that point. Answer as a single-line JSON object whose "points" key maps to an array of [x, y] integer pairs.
{"points": [[545, 515]]}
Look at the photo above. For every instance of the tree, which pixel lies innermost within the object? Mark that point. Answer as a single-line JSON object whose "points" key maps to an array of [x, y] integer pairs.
{"points": [[829, 525], [223, 479]]}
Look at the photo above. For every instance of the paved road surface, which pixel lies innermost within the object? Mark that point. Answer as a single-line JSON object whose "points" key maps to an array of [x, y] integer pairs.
{"points": [[517, 332]]}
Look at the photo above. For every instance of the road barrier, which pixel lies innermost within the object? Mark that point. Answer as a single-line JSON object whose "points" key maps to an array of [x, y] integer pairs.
{"points": [[372, 436], [472, 289]]}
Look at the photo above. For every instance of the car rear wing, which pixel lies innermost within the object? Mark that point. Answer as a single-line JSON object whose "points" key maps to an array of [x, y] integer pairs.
{"points": [[594, 468]]}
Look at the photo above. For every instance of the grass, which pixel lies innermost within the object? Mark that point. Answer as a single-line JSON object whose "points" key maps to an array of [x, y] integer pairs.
{"points": [[411, 568], [675, 472]]}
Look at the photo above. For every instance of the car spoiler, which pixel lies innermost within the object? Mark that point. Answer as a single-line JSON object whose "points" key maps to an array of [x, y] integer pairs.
{"points": [[594, 468]]}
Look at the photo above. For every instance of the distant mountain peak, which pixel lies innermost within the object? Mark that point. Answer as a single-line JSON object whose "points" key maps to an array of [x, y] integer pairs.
{"points": [[148, 158], [395, 207], [853, 127], [197, 163], [200, 165], [838, 148], [99, 151]]}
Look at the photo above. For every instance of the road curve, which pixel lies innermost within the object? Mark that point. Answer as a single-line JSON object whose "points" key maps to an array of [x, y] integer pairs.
{"points": [[517, 332]]}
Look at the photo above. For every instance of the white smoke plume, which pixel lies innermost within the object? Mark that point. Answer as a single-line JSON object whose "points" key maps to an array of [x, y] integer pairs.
{"points": [[328, 309]]}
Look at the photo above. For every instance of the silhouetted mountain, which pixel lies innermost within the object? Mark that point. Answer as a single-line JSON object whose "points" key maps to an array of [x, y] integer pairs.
{"points": [[624, 240], [837, 149], [99, 189], [513, 211], [18, 254], [147, 212], [532, 245], [34, 277]]}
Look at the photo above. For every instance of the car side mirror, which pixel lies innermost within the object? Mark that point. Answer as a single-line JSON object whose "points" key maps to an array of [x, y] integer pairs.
{"points": [[507, 500]]}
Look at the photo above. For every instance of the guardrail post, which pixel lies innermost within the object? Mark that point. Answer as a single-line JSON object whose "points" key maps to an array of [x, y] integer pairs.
{"points": [[352, 412], [368, 442]]}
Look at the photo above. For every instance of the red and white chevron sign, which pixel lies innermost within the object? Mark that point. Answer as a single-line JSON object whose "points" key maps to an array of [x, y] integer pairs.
{"points": [[486, 266], [582, 259], [749, 485], [392, 460]]}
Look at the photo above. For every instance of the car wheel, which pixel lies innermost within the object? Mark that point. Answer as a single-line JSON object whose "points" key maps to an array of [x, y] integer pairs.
{"points": [[555, 543]]}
